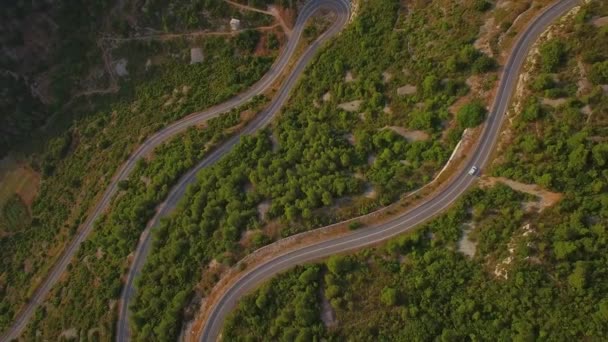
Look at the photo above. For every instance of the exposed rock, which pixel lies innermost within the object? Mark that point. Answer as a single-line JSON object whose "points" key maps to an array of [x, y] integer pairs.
{"points": [[407, 89]]}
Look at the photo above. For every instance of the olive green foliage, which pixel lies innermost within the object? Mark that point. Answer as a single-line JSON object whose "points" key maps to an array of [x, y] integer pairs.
{"points": [[471, 115], [389, 296], [599, 73], [418, 288], [268, 318], [308, 159], [77, 301], [552, 54], [556, 282], [80, 157]]}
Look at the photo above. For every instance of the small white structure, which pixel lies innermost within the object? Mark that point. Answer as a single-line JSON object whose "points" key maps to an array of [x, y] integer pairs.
{"points": [[120, 67], [196, 55], [235, 24]]}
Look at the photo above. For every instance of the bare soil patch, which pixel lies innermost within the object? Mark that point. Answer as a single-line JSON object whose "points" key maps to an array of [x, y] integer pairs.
{"points": [[465, 245], [409, 135], [328, 316], [546, 197], [600, 22], [387, 77], [487, 31], [349, 77], [554, 102], [351, 106], [370, 192]]}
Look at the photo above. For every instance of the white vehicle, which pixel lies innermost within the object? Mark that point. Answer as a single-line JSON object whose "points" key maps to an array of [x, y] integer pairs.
{"points": [[473, 171]]}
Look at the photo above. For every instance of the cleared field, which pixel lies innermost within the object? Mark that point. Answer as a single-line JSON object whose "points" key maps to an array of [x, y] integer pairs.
{"points": [[16, 178]]}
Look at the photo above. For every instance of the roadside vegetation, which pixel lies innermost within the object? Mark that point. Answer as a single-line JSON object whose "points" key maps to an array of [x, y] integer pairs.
{"points": [[92, 127], [534, 274], [342, 147], [85, 300]]}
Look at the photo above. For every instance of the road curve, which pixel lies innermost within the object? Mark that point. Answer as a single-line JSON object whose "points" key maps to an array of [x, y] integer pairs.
{"points": [[342, 10], [415, 216], [275, 71]]}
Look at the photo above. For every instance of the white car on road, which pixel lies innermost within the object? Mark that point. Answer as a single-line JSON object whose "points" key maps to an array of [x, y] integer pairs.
{"points": [[473, 171]]}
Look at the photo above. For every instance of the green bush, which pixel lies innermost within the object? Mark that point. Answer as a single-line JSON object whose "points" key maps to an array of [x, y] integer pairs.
{"points": [[482, 5], [543, 82], [389, 296], [553, 55], [471, 115], [599, 73]]}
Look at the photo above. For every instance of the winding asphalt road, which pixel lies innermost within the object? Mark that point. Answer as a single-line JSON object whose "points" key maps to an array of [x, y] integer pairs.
{"points": [[341, 7], [342, 10], [417, 215]]}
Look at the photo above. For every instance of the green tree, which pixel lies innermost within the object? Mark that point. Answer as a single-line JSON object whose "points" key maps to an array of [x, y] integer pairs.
{"points": [[578, 278], [338, 264], [389, 296]]}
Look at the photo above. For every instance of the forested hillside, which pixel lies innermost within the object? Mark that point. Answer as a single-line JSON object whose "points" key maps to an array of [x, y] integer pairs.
{"points": [[359, 131], [501, 264], [114, 90], [53, 49]]}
